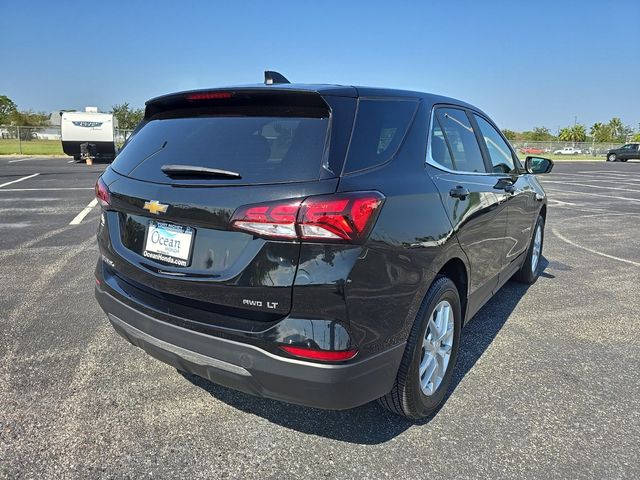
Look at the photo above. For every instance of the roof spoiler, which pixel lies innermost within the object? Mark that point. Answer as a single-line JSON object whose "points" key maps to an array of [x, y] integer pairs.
{"points": [[296, 102], [271, 77]]}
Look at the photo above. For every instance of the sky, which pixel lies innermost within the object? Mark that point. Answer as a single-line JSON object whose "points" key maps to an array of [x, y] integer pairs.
{"points": [[526, 63]]}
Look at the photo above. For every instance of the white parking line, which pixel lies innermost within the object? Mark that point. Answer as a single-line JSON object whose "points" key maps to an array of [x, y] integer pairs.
{"points": [[19, 180], [58, 189], [594, 195], [607, 172], [601, 175], [30, 199], [617, 181], [78, 218], [560, 202], [22, 159], [575, 184], [608, 214], [596, 252]]}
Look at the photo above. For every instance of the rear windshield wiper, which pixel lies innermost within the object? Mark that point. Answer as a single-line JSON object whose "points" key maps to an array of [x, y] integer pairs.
{"points": [[196, 171]]}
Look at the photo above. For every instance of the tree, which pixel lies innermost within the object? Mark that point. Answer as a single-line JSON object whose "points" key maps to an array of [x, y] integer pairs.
{"points": [[565, 134], [510, 134], [538, 134], [575, 133], [541, 134], [7, 109], [29, 118], [617, 129], [128, 118], [600, 132]]}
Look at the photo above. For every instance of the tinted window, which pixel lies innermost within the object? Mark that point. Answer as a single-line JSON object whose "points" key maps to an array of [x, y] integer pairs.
{"points": [[499, 151], [379, 129], [438, 146], [260, 149], [461, 139]]}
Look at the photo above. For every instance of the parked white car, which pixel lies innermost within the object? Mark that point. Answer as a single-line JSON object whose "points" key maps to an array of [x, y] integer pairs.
{"points": [[568, 151]]}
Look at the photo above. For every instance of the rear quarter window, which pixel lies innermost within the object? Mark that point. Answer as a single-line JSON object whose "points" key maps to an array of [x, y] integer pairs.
{"points": [[380, 127]]}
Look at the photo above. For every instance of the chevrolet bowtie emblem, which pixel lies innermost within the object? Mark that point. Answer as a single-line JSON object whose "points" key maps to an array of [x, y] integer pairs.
{"points": [[155, 207]]}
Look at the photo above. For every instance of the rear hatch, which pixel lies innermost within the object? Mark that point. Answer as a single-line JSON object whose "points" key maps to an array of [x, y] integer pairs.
{"points": [[196, 158]]}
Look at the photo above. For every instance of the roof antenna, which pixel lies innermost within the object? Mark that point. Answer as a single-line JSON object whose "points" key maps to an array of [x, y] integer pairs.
{"points": [[271, 78]]}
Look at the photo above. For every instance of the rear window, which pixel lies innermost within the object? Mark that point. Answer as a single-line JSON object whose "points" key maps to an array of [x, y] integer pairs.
{"points": [[262, 149], [378, 132]]}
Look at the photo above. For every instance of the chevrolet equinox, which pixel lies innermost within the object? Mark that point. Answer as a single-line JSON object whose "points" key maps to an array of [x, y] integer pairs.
{"points": [[316, 244]]}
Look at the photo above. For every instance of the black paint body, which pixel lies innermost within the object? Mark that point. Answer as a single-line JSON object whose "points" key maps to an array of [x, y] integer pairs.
{"points": [[328, 296]]}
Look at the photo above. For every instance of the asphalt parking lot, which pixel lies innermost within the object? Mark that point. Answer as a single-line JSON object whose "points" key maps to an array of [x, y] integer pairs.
{"points": [[547, 385]]}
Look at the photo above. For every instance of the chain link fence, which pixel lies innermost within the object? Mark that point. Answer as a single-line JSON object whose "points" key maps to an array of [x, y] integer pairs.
{"points": [[15, 140], [562, 149], [46, 141]]}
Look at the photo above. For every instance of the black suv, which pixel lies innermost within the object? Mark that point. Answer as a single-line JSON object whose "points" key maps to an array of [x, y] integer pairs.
{"points": [[317, 244], [624, 153]]}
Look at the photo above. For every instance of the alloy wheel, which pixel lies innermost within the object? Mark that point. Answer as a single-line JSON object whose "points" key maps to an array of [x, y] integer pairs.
{"points": [[436, 348], [535, 252]]}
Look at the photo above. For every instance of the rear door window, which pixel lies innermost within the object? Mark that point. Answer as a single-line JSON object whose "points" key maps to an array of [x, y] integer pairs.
{"points": [[461, 140], [380, 127], [262, 149]]}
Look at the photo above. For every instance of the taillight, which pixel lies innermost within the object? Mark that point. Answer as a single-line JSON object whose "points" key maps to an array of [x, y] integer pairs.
{"points": [[347, 216], [338, 217], [102, 193], [317, 354], [275, 219]]}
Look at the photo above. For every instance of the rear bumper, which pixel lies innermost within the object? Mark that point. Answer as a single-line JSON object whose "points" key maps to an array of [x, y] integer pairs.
{"points": [[253, 370]]}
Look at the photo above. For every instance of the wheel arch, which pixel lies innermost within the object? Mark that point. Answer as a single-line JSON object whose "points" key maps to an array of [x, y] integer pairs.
{"points": [[456, 270], [543, 212]]}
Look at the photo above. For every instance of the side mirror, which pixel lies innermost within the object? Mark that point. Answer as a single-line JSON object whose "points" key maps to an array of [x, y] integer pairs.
{"points": [[537, 165]]}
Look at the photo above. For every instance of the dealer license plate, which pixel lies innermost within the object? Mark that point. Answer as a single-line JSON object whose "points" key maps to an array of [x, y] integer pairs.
{"points": [[168, 243]]}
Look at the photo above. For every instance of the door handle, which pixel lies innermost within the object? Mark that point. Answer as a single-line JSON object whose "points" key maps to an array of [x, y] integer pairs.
{"points": [[459, 192], [506, 184]]}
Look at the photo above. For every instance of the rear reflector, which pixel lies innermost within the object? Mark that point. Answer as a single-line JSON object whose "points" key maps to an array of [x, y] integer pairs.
{"points": [[338, 217], [324, 355], [102, 193], [194, 97]]}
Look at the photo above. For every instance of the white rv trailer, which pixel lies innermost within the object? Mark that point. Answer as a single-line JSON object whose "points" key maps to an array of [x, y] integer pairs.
{"points": [[93, 129]]}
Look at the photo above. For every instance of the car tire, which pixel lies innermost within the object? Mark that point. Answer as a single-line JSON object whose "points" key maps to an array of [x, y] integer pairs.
{"points": [[410, 396], [623, 159], [611, 157], [530, 269]]}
